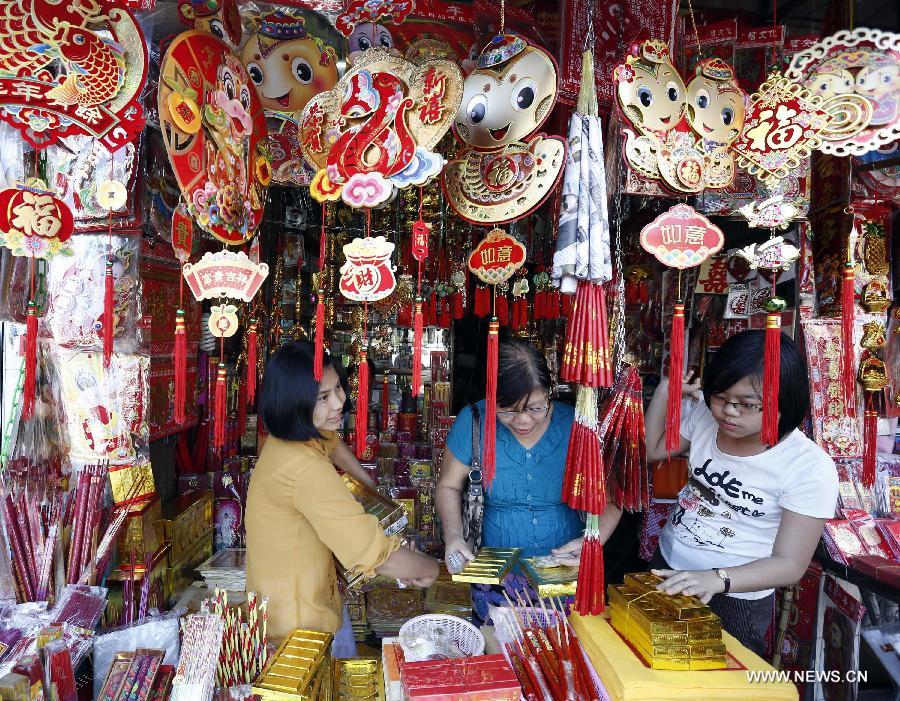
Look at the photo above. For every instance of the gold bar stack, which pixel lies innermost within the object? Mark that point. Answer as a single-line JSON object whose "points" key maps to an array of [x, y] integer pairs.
{"points": [[295, 672], [359, 679], [668, 632], [550, 582], [490, 566]]}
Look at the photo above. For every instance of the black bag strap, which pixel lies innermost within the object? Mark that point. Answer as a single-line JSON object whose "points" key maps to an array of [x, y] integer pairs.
{"points": [[475, 486]]}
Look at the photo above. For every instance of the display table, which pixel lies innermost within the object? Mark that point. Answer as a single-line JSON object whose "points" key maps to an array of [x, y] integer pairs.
{"points": [[626, 678]]}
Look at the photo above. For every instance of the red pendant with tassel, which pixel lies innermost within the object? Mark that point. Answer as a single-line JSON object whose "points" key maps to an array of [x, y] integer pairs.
{"points": [[180, 362], [29, 388], [676, 363], [870, 442], [772, 371], [252, 361], [362, 405], [848, 320], [220, 418], [489, 452], [418, 329], [108, 305]]}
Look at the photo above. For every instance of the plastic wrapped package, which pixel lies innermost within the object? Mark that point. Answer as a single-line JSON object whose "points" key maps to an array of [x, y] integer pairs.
{"points": [[76, 168], [74, 313], [12, 156], [60, 670], [159, 632], [15, 285], [105, 407], [79, 605]]}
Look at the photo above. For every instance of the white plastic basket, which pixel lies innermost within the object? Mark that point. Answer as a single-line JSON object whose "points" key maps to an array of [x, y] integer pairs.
{"points": [[467, 638]]}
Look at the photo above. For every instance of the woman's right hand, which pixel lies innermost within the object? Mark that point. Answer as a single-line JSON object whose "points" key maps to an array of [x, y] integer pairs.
{"points": [[690, 386], [457, 551]]}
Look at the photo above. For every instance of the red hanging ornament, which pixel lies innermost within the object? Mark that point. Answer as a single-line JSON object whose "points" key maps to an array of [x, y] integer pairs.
{"points": [[418, 324], [29, 388], [180, 362], [459, 307], [385, 401], [252, 363], [771, 372], [362, 404], [482, 306], [566, 303], [431, 310], [221, 408], [405, 315], [489, 451], [108, 305], [848, 319], [501, 309], [676, 363], [870, 442]]}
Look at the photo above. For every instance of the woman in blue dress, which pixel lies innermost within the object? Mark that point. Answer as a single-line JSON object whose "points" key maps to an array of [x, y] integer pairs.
{"points": [[523, 507]]}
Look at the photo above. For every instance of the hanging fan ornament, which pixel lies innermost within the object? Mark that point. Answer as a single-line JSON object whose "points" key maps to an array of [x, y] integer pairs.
{"points": [[372, 135], [37, 224], [775, 255], [507, 169], [366, 276], [873, 378], [679, 238], [212, 124], [494, 261]]}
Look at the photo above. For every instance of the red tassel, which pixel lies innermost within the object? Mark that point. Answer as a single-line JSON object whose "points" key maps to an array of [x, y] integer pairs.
{"points": [[444, 318], [30, 387], [565, 302], [482, 302], [362, 405], [180, 361], [221, 409], [522, 304], [870, 443], [108, 303], [431, 310], [418, 324], [848, 315], [459, 309], [320, 336], [251, 362], [385, 402], [771, 379], [489, 451], [405, 316], [676, 361], [501, 312]]}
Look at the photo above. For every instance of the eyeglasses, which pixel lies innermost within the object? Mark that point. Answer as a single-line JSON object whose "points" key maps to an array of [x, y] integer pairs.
{"points": [[739, 406], [535, 412]]}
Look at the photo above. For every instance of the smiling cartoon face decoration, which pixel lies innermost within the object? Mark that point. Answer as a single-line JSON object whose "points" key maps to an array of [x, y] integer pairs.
{"points": [[287, 65], [683, 133], [508, 96], [364, 23], [221, 18], [507, 169]]}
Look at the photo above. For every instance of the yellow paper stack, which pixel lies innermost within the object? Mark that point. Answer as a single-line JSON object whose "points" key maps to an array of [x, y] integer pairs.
{"points": [[668, 632]]}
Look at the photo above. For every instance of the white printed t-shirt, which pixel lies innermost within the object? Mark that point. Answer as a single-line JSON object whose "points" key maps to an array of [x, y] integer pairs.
{"points": [[729, 511]]}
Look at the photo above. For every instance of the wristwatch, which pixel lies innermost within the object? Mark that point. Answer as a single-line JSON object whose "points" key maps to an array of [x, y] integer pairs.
{"points": [[723, 575]]}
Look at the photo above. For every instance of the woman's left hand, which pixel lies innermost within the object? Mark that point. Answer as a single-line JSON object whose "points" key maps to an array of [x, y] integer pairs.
{"points": [[700, 583], [570, 553]]}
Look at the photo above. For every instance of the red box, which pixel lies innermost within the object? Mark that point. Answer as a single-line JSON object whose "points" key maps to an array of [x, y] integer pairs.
{"points": [[486, 678]]}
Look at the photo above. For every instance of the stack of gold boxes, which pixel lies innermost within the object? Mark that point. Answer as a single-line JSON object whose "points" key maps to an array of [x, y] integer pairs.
{"points": [[490, 566], [299, 671], [668, 632]]}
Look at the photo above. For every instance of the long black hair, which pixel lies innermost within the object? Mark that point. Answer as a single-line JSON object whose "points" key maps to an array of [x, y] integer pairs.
{"points": [[742, 356], [522, 368], [290, 392]]}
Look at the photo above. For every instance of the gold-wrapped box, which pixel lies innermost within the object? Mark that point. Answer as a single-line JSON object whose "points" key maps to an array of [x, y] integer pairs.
{"points": [[359, 679], [186, 521], [293, 669], [550, 581], [139, 532], [490, 566]]}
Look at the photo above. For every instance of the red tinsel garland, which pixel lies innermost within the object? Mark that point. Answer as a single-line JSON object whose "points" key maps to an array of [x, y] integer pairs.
{"points": [[676, 363], [771, 379], [418, 323], [180, 361], [489, 451], [251, 361]]}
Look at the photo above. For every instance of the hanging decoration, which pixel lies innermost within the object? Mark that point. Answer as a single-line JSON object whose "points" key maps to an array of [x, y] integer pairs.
{"points": [[289, 65], [373, 134], [111, 195], [212, 123], [102, 71], [506, 169], [421, 231], [873, 378], [495, 260], [775, 255], [182, 244], [679, 238], [364, 22], [785, 122], [36, 224], [772, 213], [861, 65], [684, 134]]}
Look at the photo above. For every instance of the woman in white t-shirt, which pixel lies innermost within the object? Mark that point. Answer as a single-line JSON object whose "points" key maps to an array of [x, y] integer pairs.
{"points": [[750, 516]]}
